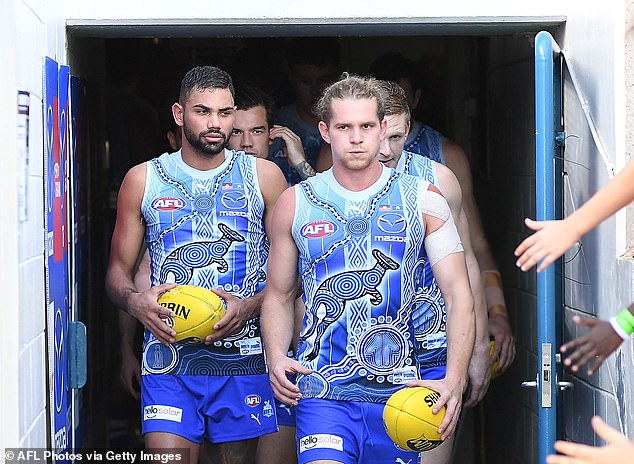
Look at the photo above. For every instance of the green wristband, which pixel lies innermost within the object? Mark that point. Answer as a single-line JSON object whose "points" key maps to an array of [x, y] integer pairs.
{"points": [[625, 319]]}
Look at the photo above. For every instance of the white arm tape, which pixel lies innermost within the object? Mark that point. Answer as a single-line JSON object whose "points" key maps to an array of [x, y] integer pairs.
{"points": [[435, 205], [443, 242]]}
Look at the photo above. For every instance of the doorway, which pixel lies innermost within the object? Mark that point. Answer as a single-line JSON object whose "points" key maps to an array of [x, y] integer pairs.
{"points": [[477, 89]]}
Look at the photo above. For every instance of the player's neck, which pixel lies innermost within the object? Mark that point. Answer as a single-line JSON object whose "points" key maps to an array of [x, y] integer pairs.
{"points": [[201, 161], [357, 180]]}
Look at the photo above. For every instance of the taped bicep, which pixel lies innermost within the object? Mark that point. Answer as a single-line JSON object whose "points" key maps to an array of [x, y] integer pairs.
{"points": [[444, 239]]}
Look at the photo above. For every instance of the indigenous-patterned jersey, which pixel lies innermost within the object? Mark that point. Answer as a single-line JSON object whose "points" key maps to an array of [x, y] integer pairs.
{"points": [[425, 141], [362, 262], [433, 345], [309, 134], [206, 228]]}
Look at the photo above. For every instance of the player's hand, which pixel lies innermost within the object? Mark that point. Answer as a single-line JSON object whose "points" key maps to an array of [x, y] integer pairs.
{"points": [[279, 369], [450, 396], [294, 148], [593, 347], [619, 450], [479, 374], [552, 239], [145, 308], [504, 349], [130, 374], [238, 312]]}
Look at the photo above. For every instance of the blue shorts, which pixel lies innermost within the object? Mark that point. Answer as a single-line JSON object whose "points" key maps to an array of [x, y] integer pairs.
{"points": [[433, 373], [346, 431], [218, 408], [285, 414]]}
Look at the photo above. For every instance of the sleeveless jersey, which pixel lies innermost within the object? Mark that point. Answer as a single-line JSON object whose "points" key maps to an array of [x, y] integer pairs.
{"points": [[425, 141], [206, 228], [432, 350], [362, 263], [311, 141]]}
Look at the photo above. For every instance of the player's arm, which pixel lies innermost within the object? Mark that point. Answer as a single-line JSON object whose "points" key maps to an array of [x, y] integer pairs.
{"points": [[446, 256], [498, 322], [126, 242], [294, 150], [239, 311], [130, 370], [479, 372], [554, 238], [278, 307]]}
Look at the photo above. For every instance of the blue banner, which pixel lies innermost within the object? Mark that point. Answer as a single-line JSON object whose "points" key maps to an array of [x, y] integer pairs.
{"points": [[56, 84]]}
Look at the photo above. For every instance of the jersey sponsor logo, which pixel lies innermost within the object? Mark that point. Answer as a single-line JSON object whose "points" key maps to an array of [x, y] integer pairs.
{"points": [[318, 229], [159, 411], [167, 204], [320, 440], [252, 400], [391, 223], [234, 199], [391, 238]]}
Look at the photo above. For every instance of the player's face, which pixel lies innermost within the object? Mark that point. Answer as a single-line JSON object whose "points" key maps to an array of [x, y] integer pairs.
{"points": [[250, 132], [354, 132], [395, 137], [207, 119], [310, 81]]}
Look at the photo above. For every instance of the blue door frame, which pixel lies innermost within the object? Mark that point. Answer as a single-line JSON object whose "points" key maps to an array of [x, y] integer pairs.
{"points": [[548, 204]]}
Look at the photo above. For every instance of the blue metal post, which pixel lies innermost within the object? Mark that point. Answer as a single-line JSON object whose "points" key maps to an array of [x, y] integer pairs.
{"points": [[545, 48]]}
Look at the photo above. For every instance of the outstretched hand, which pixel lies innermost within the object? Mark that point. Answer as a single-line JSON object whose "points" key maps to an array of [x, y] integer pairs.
{"points": [[593, 347], [619, 450], [551, 240]]}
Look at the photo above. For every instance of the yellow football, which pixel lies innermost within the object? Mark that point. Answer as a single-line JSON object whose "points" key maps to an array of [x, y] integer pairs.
{"points": [[196, 310], [409, 421]]}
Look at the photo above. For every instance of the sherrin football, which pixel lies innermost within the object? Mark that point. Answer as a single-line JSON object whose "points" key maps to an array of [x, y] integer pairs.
{"points": [[196, 310], [409, 421]]}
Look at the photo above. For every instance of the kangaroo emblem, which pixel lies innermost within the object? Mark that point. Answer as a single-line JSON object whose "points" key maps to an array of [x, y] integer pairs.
{"points": [[183, 260], [335, 291]]}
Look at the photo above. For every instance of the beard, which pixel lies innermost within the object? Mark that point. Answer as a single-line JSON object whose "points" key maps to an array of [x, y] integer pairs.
{"points": [[198, 143]]}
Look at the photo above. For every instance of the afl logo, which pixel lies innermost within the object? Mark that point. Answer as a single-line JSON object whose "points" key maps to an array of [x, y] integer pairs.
{"points": [[252, 400], [391, 223], [234, 199], [318, 229], [168, 204]]}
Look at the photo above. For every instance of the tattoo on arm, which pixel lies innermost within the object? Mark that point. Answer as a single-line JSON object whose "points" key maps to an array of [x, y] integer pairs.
{"points": [[305, 170]]}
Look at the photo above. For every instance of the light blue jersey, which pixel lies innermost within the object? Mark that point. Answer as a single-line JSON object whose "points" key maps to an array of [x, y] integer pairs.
{"points": [[433, 344], [206, 228], [425, 141], [363, 266]]}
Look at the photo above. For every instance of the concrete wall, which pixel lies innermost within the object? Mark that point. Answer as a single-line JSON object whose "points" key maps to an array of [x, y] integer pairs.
{"points": [[9, 343], [31, 30]]}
